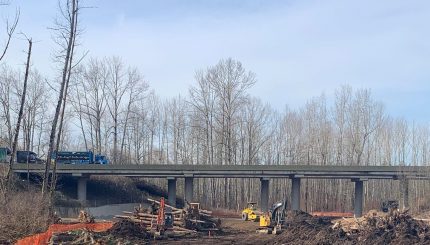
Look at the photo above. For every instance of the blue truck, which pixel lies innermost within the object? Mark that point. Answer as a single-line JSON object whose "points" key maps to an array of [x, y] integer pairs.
{"points": [[79, 157]]}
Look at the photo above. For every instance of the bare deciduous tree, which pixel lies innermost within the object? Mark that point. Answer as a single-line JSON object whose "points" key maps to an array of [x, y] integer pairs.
{"points": [[10, 29], [21, 111], [66, 29]]}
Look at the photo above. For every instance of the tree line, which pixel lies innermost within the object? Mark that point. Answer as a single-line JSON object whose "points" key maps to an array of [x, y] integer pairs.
{"points": [[105, 105]]}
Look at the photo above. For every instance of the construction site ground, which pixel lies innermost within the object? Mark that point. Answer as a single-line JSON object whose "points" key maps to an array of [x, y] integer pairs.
{"points": [[300, 228]]}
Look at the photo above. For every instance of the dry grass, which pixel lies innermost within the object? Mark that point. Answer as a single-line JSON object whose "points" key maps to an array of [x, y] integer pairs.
{"points": [[24, 213]]}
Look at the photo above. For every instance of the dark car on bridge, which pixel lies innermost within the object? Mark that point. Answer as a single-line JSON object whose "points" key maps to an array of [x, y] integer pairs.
{"points": [[27, 156]]}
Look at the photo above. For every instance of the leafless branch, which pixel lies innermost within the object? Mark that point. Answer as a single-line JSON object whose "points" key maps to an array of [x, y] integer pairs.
{"points": [[10, 29]]}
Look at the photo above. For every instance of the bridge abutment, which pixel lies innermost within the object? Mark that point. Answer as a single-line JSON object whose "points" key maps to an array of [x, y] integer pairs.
{"points": [[264, 194], [295, 193], [171, 191], [189, 184]]}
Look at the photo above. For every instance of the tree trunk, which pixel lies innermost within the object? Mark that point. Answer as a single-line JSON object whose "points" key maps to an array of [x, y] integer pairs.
{"points": [[69, 49], [21, 111]]}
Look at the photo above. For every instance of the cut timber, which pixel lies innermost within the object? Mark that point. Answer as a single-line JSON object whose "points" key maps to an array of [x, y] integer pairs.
{"points": [[183, 229], [147, 215], [209, 229], [197, 221], [173, 208], [189, 219], [205, 211]]}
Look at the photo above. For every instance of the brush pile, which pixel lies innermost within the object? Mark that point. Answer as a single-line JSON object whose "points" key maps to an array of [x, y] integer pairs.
{"points": [[396, 227], [190, 219]]}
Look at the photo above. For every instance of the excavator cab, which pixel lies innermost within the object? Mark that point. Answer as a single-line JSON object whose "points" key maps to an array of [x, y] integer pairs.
{"points": [[250, 212], [168, 218]]}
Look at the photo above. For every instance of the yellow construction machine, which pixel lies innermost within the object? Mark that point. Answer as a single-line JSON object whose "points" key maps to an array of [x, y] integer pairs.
{"points": [[250, 212], [271, 222]]}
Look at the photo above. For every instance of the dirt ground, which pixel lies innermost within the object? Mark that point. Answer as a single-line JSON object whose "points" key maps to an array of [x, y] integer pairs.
{"points": [[236, 231], [300, 228]]}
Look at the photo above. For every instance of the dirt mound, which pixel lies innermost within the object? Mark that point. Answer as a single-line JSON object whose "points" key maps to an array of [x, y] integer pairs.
{"points": [[128, 229], [303, 228]]}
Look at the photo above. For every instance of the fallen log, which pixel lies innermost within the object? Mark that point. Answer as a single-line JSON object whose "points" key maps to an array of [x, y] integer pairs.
{"points": [[123, 216], [173, 208], [154, 218], [177, 212], [209, 229], [147, 221], [178, 228], [205, 211], [206, 215], [126, 217], [197, 221], [146, 215]]}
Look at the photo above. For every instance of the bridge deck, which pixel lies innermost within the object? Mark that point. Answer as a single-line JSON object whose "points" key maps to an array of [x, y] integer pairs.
{"points": [[238, 171]]}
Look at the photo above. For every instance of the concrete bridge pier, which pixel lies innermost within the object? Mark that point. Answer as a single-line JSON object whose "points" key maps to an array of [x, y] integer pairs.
{"points": [[358, 197], [171, 191], [295, 193], [189, 184], [82, 189], [264, 194], [404, 192]]}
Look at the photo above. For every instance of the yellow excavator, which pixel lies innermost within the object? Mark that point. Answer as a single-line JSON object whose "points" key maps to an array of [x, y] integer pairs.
{"points": [[271, 222], [250, 212]]}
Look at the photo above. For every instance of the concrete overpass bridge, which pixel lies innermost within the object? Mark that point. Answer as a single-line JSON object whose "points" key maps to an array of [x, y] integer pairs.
{"points": [[357, 174]]}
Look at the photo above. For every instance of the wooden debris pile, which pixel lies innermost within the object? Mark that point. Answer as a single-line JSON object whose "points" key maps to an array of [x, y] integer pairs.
{"points": [[394, 227], [371, 219], [190, 219]]}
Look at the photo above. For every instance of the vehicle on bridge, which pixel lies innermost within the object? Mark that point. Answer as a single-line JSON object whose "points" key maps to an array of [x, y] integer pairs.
{"points": [[79, 157], [27, 156], [21, 156], [5, 154]]}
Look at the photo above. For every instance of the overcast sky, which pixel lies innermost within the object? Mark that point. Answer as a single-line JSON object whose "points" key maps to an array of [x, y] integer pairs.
{"points": [[298, 49]]}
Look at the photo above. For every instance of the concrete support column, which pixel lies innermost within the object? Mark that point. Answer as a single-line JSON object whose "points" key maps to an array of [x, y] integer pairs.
{"points": [[189, 189], [171, 191], [82, 189], [295, 194], [264, 195], [358, 198], [404, 189]]}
